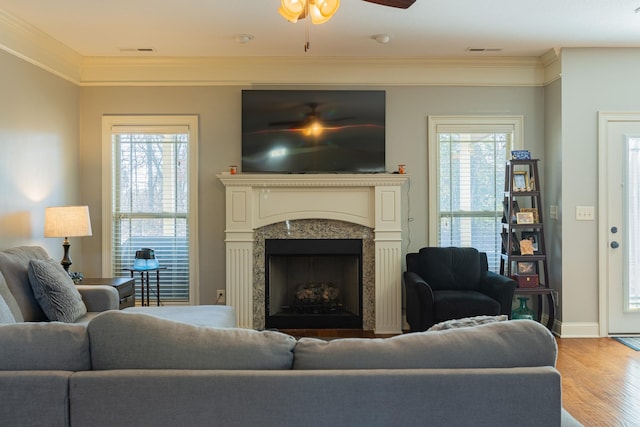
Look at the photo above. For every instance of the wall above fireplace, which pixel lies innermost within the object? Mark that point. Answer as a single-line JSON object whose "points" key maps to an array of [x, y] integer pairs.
{"points": [[371, 200]]}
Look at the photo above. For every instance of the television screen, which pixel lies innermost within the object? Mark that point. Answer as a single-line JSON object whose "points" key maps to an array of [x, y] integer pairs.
{"points": [[293, 131]]}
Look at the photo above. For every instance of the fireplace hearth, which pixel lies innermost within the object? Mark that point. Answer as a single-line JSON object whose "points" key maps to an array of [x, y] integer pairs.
{"points": [[313, 283]]}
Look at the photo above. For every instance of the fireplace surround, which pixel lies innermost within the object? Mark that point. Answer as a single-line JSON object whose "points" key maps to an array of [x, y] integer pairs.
{"points": [[313, 283], [314, 206]]}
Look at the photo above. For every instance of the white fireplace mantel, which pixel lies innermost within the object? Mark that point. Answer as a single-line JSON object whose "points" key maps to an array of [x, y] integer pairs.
{"points": [[372, 200]]}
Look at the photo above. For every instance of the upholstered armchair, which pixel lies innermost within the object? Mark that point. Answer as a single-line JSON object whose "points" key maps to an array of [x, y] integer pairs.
{"points": [[453, 283]]}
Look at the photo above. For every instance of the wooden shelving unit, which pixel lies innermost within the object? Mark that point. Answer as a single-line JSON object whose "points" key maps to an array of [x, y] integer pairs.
{"points": [[523, 219]]}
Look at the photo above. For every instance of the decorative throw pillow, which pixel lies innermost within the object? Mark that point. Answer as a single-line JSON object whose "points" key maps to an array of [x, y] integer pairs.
{"points": [[5, 312], [467, 322], [55, 292]]}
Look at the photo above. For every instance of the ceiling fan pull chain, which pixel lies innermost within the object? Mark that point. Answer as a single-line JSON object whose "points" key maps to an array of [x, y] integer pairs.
{"points": [[307, 46]]}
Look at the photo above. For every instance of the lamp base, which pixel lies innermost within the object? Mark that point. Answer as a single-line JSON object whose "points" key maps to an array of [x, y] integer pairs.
{"points": [[66, 260]]}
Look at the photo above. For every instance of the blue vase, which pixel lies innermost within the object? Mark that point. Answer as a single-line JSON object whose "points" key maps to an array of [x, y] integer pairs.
{"points": [[523, 312]]}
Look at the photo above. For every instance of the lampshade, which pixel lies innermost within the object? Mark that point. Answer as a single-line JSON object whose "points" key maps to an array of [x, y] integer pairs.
{"points": [[67, 221]]}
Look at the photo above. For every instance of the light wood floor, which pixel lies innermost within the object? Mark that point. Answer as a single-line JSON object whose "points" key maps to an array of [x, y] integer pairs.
{"points": [[600, 381], [600, 377]]}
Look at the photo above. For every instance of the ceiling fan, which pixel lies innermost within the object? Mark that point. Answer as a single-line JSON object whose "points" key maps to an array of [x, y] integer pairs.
{"points": [[400, 4], [321, 11]]}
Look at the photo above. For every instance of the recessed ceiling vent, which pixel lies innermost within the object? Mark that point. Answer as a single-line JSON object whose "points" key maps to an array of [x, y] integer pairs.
{"points": [[484, 49], [137, 50]]}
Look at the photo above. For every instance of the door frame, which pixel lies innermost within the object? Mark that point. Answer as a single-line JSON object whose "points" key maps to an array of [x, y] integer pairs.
{"points": [[604, 118]]}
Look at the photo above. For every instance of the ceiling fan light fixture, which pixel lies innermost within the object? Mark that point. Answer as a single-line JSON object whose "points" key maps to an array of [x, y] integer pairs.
{"points": [[319, 10], [292, 10], [327, 7], [291, 17]]}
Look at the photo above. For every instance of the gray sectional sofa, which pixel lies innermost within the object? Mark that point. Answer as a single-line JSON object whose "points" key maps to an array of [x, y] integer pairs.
{"points": [[132, 369], [136, 368]]}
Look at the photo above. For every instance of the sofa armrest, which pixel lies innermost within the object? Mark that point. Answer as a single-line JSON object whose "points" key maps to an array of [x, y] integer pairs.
{"points": [[500, 288], [99, 297], [419, 301]]}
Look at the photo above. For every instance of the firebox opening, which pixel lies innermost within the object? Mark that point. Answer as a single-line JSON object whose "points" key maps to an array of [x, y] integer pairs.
{"points": [[313, 283]]}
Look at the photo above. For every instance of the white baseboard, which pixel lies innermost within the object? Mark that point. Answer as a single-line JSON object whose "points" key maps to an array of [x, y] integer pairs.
{"points": [[576, 329]]}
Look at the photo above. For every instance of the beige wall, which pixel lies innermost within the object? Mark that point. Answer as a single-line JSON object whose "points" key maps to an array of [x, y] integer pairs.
{"points": [[219, 110], [39, 153], [553, 189], [593, 80]]}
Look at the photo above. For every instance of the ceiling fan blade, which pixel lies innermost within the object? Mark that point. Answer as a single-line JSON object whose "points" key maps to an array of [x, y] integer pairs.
{"points": [[401, 4]]}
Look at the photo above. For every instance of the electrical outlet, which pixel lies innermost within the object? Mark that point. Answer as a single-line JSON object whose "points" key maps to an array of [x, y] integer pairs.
{"points": [[221, 297]]}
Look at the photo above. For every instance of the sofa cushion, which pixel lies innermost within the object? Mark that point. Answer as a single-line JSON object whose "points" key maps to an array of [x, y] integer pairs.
{"points": [[14, 265], [516, 343], [44, 346], [121, 340], [6, 316], [55, 291], [218, 316]]}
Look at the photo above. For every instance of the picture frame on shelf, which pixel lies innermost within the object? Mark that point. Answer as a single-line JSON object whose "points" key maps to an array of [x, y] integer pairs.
{"points": [[514, 209], [533, 237], [534, 211], [524, 218], [512, 246], [520, 155], [521, 181], [526, 267]]}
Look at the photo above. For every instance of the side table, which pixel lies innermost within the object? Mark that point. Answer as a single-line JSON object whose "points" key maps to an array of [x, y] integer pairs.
{"points": [[144, 279], [125, 286]]}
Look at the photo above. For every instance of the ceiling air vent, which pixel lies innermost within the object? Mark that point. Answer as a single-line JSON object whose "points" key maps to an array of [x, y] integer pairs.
{"points": [[484, 49], [137, 50]]}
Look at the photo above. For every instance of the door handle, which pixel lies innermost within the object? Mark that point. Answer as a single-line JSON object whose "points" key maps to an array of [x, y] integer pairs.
{"points": [[615, 245]]}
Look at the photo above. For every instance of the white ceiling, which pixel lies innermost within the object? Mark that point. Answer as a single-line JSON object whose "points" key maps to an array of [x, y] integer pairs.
{"points": [[429, 28]]}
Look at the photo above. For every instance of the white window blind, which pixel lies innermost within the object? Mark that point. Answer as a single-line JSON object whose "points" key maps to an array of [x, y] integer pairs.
{"points": [[150, 203], [470, 163]]}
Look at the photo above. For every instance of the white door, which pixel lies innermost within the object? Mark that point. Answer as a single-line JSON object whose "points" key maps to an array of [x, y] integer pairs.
{"points": [[620, 233]]}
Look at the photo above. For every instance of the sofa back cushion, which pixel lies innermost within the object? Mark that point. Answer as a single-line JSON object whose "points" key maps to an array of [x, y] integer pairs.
{"points": [[516, 343], [14, 265], [44, 346], [121, 340]]}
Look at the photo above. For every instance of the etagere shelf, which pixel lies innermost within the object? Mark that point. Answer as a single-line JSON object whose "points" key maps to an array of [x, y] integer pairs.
{"points": [[523, 220]]}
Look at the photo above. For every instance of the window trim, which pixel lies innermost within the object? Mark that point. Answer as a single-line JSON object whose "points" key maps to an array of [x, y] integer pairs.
{"points": [[157, 121], [436, 124]]}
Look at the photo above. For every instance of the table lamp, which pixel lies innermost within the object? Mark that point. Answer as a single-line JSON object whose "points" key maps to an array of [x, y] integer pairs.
{"points": [[67, 221]]}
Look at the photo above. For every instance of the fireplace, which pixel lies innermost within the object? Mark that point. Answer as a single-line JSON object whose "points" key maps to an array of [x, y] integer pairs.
{"points": [[313, 283], [304, 206]]}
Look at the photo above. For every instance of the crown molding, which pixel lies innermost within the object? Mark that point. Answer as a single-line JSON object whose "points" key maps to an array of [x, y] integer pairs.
{"points": [[552, 62], [27, 42], [497, 71]]}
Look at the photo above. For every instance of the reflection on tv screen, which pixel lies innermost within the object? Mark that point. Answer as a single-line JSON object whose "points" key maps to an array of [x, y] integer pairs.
{"points": [[291, 131]]}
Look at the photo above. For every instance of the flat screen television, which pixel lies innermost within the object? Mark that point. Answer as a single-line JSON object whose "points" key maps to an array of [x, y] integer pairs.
{"points": [[313, 131]]}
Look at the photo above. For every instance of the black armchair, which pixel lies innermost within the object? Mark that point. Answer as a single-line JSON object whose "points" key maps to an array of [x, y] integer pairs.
{"points": [[453, 283]]}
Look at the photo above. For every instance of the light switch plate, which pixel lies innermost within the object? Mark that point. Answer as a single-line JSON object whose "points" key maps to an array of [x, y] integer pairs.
{"points": [[585, 213]]}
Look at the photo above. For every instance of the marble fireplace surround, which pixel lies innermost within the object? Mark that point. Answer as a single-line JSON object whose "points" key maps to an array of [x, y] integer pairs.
{"points": [[262, 206]]}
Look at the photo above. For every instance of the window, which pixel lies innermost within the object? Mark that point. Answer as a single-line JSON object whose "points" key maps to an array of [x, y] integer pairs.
{"points": [[150, 199], [467, 157]]}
